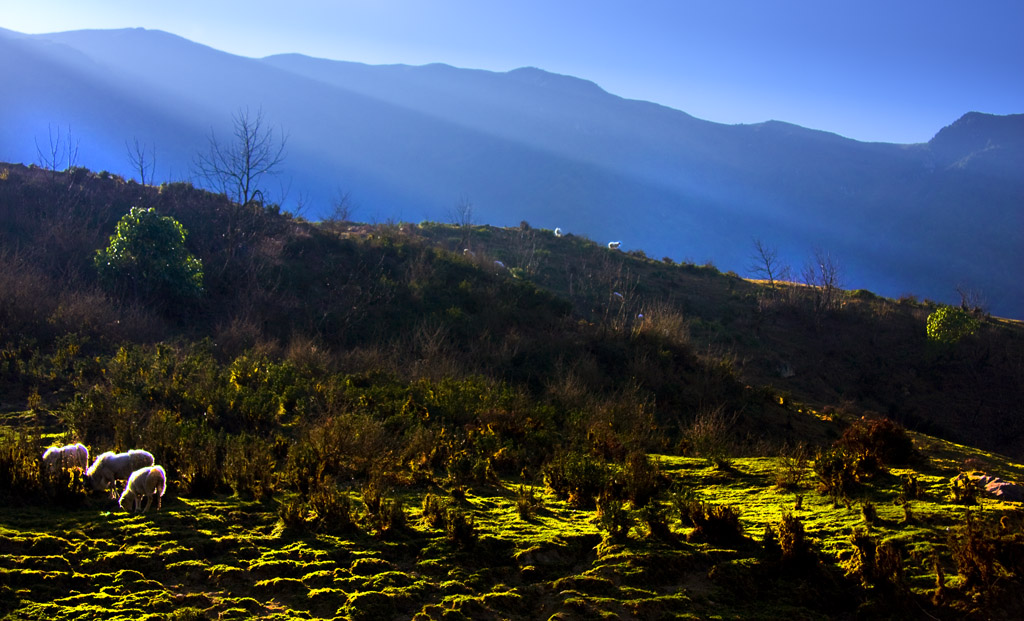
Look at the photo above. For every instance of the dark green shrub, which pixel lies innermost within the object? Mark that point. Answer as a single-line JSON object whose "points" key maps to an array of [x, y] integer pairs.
{"points": [[795, 549], [527, 502], [974, 551], [869, 512], [147, 258], [383, 515], [329, 508], [715, 524], [889, 573], [837, 472], [614, 518], [910, 489], [654, 516], [576, 476], [459, 529], [294, 512], [249, 467], [880, 440], [65, 488], [20, 475], [434, 511], [684, 502], [963, 490], [861, 563], [199, 458], [641, 479]]}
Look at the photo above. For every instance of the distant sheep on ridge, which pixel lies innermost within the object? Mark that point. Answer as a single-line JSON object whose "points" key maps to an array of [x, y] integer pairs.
{"points": [[614, 245]]}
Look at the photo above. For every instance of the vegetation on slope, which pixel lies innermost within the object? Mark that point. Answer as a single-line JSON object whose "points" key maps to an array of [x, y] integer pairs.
{"points": [[357, 421]]}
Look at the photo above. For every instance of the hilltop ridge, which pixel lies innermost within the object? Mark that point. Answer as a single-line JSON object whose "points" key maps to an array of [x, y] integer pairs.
{"points": [[406, 142]]}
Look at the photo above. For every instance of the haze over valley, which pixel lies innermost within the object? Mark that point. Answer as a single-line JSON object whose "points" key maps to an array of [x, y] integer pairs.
{"points": [[409, 142]]}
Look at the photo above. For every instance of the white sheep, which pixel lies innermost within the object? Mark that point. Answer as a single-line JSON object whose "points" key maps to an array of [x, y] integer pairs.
{"points": [[614, 245], [558, 232], [66, 457], [149, 483], [111, 467]]}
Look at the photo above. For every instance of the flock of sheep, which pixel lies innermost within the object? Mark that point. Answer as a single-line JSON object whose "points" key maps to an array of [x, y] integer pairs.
{"points": [[143, 480]]}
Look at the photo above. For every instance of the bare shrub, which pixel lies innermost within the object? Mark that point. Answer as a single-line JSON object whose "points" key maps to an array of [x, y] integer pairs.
{"points": [[665, 321], [708, 436], [792, 468]]}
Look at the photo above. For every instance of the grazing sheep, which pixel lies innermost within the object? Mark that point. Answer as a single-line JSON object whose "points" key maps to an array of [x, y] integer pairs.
{"points": [[111, 467], [66, 457], [149, 482], [558, 232], [614, 245]]}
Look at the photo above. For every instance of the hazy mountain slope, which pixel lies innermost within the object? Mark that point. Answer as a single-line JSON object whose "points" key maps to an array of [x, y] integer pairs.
{"points": [[554, 150]]}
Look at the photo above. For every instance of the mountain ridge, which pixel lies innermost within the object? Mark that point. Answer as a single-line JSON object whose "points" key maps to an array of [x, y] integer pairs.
{"points": [[407, 141]]}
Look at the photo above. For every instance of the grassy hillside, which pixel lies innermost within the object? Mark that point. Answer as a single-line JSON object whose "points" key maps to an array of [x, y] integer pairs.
{"points": [[438, 421]]}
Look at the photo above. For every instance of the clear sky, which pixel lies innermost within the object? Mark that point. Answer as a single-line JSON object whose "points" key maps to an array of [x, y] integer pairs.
{"points": [[877, 70]]}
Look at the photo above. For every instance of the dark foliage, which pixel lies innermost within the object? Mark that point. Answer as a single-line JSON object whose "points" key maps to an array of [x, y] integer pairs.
{"points": [[878, 439]]}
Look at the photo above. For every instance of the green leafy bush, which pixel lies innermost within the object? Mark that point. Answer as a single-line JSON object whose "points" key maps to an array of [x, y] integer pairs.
{"points": [[147, 258], [947, 324]]}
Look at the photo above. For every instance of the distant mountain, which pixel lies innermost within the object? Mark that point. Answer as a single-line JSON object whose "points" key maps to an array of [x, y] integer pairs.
{"points": [[408, 142]]}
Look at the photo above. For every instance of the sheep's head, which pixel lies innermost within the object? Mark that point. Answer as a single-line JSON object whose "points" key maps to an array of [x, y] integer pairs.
{"points": [[126, 499], [97, 480]]}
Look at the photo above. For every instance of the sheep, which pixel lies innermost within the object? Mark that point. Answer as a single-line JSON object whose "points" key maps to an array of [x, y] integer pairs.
{"points": [[614, 245], [558, 232], [66, 457], [111, 467], [149, 482]]}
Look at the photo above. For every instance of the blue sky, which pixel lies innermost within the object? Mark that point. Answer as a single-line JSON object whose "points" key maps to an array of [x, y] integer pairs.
{"points": [[871, 70]]}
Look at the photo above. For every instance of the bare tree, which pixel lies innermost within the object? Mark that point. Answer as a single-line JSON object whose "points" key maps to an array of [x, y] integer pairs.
{"points": [[140, 160], [461, 215], [824, 276], [971, 300], [342, 206], [238, 168], [766, 264], [61, 149]]}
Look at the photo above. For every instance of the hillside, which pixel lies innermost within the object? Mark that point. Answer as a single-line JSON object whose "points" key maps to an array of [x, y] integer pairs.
{"points": [[437, 421], [407, 142]]}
